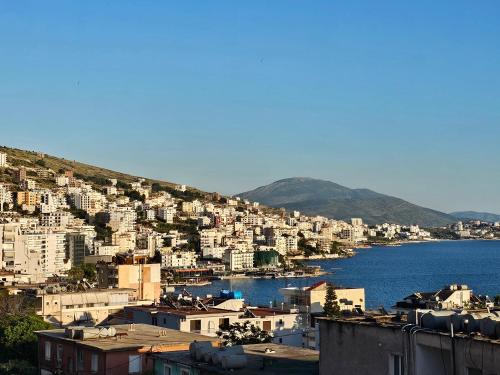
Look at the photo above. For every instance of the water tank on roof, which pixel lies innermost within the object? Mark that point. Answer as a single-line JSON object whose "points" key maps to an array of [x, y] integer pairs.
{"points": [[473, 321], [224, 293], [437, 320], [236, 294], [217, 355], [234, 361], [488, 326]]}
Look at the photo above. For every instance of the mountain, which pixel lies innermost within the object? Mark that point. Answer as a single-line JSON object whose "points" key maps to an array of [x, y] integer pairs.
{"points": [[326, 198], [474, 215]]}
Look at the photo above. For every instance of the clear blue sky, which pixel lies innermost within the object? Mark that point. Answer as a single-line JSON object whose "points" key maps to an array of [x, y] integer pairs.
{"points": [[402, 97]]}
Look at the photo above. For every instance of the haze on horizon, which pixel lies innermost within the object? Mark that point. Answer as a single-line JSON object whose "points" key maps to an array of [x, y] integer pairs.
{"points": [[400, 98]]}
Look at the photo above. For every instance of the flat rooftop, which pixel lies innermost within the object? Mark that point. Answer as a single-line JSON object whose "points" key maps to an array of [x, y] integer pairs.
{"points": [[185, 310], [286, 360], [156, 339]]}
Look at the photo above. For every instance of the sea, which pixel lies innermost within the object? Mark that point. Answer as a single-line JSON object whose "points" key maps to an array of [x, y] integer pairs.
{"points": [[387, 273]]}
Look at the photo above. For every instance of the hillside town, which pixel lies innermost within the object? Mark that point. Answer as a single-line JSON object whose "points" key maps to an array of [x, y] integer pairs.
{"points": [[53, 221], [103, 262]]}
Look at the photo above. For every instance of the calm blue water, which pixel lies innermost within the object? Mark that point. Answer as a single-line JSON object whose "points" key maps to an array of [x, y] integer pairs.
{"points": [[390, 273]]}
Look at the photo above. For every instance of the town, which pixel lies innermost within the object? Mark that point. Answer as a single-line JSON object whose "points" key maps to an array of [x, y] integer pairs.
{"points": [[102, 262]]}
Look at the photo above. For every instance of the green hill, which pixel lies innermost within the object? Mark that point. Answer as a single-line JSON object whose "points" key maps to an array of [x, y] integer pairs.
{"points": [[326, 198], [96, 176]]}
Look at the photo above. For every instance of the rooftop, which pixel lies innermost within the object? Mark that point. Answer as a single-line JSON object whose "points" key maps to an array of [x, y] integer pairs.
{"points": [[185, 310], [142, 336], [286, 360]]}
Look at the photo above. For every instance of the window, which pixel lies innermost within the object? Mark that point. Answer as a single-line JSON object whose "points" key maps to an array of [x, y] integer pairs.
{"points": [[211, 326], [195, 325], [224, 323], [79, 360], [396, 364], [185, 371], [167, 370], [94, 363], [59, 354], [266, 325], [70, 364], [134, 364], [48, 347]]}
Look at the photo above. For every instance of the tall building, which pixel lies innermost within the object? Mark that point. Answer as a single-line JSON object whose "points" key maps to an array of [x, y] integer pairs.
{"points": [[35, 252], [20, 174], [3, 159]]}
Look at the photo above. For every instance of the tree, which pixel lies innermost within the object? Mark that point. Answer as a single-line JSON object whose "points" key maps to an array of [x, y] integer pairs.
{"points": [[75, 274], [89, 271], [244, 333], [83, 271], [331, 307], [18, 338]]}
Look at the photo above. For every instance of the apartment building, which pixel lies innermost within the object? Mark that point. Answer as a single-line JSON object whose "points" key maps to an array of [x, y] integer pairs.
{"points": [[34, 252], [5, 197], [387, 344], [178, 259], [3, 159], [111, 350], [238, 260], [312, 298], [144, 279]]}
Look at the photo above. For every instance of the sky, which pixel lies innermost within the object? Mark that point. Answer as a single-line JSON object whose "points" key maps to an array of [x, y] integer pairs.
{"points": [[400, 97]]}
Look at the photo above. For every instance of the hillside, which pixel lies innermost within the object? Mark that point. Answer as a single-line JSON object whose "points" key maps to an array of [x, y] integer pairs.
{"points": [[474, 215], [96, 176], [326, 198]]}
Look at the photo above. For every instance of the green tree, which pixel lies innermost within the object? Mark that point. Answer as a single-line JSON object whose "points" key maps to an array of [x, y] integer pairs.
{"points": [[243, 334], [75, 274], [89, 271], [18, 338], [331, 307], [83, 271]]}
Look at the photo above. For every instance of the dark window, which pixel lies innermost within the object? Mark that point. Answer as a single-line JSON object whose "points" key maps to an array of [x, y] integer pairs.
{"points": [[224, 323], [266, 325], [195, 325]]}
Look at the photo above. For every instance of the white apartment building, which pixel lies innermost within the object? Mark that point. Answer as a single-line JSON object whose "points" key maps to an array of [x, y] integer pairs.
{"points": [[210, 238], [122, 219], [291, 244], [252, 220], [62, 180], [56, 219], [111, 190], [213, 252], [90, 201], [126, 240], [39, 253], [149, 214], [28, 184], [178, 259], [187, 207], [238, 260], [166, 213], [101, 249], [3, 159], [5, 197]]}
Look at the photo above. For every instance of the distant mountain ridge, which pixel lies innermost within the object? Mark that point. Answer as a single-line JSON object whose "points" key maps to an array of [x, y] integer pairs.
{"points": [[326, 198], [475, 215]]}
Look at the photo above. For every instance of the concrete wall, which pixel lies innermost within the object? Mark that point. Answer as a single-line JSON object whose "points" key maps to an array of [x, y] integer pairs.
{"points": [[354, 349]]}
